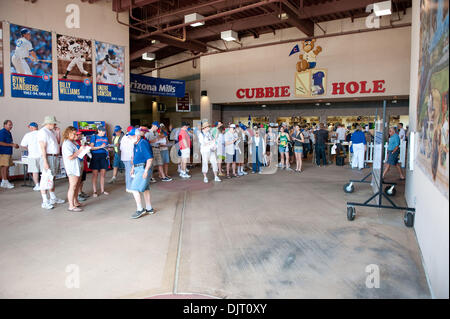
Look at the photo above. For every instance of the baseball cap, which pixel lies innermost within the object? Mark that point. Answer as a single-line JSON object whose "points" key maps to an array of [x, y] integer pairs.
{"points": [[232, 125], [129, 128], [101, 128], [34, 124], [156, 123], [134, 131], [117, 128], [24, 31]]}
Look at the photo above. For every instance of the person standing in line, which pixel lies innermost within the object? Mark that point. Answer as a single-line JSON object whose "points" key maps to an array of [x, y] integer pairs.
{"points": [[208, 149], [393, 153], [321, 137], [230, 151], [6, 150], [299, 141], [239, 146], [401, 132], [283, 148], [153, 138], [340, 132], [359, 146], [80, 141], [270, 140], [257, 147], [164, 149], [306, 146], [30, 143], [126, 156], [141, 170], [220, 149], [49, 151], [117, 163], [70, 153], [184, 141], [99, 160]]}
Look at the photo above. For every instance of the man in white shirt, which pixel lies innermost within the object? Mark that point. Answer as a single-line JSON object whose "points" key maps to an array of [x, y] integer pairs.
{"points": [[30, 143], [341, 138], [126, 156], [230, 152], [49, 151], [401, 132]]}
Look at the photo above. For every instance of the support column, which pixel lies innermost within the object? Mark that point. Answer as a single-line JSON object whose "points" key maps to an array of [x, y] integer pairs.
{"points": [[205, 109], [155, 113]]}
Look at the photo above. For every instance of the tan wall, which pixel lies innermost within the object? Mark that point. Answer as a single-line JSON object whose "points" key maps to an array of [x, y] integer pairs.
{"points": [[98, 22]]}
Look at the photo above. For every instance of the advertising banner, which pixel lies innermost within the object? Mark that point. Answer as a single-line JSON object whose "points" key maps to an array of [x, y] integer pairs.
{"points": [[74, 69], [31, 62], [110, 60], [156, 86], [1, 60]]}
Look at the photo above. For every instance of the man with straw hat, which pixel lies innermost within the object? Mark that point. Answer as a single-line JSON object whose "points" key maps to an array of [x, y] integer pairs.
{"points": [[208, 149], [49, 151]]}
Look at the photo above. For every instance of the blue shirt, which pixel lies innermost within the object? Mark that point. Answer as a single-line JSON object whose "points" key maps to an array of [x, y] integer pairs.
{"points": [[5, 137], [98, 141], [358, 137], [142, 152], [394, 141]]}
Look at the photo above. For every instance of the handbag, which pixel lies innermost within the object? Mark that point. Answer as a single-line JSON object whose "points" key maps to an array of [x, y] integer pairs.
{"points": [[46, 182]]}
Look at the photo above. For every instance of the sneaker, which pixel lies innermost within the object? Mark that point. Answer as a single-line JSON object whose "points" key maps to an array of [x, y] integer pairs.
{"points": [[57, 201], [7, 184], [153, 180], [289, 169], [244, 173], [185, 175], [150, 211], [47, 205], [241, 174], [205, 180], [81, 199], [37, 187], [280, 165], [84, 195], [112, 180], [166, 179], [139, 213], [217, 179]]}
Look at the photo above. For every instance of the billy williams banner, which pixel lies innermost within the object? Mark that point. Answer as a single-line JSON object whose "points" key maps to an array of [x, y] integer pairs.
{"points": [[110, 61], [74, 69], [1, 59], [156, 86], [31, 62]]}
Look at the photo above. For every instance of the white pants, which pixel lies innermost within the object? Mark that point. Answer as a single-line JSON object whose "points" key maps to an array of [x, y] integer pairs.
{"points": [[358, 155], [20, 65], [209, 157], [79, 63]]}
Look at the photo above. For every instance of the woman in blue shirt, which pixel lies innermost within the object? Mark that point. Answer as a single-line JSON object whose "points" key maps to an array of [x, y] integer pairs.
{"points": [[393, 153], [99, 160]]}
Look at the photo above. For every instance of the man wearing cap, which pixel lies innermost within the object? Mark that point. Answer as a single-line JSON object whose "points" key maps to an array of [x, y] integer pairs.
{"points": [[230, 151], [117, 163], [126, 156], [184, 141], [31, 144], [6, 146], [153, 138], [49, 151], [142, 171], [208, 149]]}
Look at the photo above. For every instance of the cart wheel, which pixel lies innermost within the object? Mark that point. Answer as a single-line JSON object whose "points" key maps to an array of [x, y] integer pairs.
{"points": [[351, 212], [390, 192], [409, 219], [349, 188]]}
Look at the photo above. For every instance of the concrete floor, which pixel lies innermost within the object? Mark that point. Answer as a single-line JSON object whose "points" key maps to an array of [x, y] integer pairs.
{"points": [[261, 236]]}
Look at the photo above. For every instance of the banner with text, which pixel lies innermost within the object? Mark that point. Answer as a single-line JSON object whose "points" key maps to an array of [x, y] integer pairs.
{"points": [[31, 62], [156, 86], [1, 59], [110, 61], [74, 68]]}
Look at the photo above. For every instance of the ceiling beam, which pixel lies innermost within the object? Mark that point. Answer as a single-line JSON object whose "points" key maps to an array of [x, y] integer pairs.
{"points": [[187, 45], [142, 63], [124, 5], [304, 25], [333, 7]]}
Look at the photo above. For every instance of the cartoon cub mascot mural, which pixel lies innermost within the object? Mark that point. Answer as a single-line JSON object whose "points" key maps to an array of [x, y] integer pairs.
{"points": [[309, 80], [308, 58]]}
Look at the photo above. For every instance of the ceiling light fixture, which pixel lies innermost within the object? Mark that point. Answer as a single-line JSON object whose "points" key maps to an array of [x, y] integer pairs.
{"points": [[194, 17], [229, 35], [382, 8], [148, 56]]}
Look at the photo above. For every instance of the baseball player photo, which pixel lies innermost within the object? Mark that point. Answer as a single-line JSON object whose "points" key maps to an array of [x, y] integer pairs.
{"points": [[74, 58], [31, 51], [110, 63], [1, 59]]}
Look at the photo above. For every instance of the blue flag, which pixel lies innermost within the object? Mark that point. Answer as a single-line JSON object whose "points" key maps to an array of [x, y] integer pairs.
{"points": [[294, 50]]}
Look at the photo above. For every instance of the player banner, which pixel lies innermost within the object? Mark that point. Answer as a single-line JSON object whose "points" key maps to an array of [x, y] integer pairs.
{"points": [[74, 69], [1, 59], [110, 72], [31, 62]]}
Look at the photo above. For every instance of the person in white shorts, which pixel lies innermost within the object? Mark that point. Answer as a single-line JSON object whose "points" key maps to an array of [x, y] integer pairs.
{"points": [[77, 52], [30, 143], [184, 141], [24, 49], [208, 149], [49, 150]]}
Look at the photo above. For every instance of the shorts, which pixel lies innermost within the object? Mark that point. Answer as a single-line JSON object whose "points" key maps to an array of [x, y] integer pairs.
{"points": [[98, 161], [165, 156], [186, 153], [117, 162], [5, 160], [139, 183], [221, 157], [393, 157], [298, 149], [230, 158], [157, 160], [53, 163], [283, 149], [33, 165]]}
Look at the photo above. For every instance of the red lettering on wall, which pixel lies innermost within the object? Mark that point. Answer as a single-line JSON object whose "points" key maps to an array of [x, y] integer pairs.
{"points": [[277, 91], [247, 93], [259, 93], [240, 93], [285, 91], [269, 92], [363, 87], [378, 86], [352, 87], [338, 88]]}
